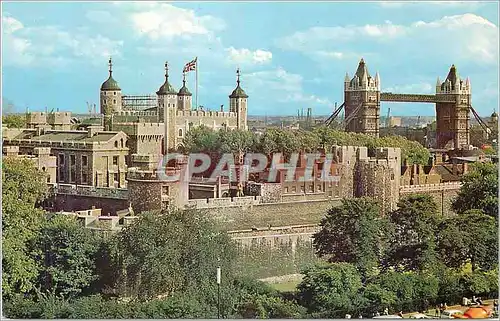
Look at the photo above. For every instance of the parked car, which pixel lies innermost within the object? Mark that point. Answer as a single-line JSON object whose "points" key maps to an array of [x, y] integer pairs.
{"points": [[448, 314]]}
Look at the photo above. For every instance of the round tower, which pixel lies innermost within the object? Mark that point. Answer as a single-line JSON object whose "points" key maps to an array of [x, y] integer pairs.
{"points": [[167, 101], [494, 118], [184, 96], [111, 94], [238, 103]]}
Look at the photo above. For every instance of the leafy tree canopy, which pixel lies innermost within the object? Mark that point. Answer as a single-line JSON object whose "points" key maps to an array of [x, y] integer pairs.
{"points": [[14, 121], [413, 245], [166, 253], [275, 140], [353, 232], [479, 190], [22, 187]]}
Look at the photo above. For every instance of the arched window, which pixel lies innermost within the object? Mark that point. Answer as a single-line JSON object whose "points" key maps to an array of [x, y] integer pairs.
{"points": [[116, 144], [180, 132], [121, 140]]}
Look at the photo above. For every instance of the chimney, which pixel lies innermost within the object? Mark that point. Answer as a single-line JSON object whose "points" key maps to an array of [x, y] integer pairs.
{"points": [[93, 130]]}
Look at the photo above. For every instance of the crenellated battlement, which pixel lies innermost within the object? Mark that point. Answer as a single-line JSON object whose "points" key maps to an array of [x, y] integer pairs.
{"points": [[206, 113]]}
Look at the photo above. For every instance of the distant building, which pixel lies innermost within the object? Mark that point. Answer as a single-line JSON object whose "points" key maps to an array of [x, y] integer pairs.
{"points": [[394, 121]]}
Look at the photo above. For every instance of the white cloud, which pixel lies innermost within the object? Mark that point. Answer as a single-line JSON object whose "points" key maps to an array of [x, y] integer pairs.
{"points": [[281, 85], [246, 56], [466, 36], [458, 4], [50, 46], [162, 20]]}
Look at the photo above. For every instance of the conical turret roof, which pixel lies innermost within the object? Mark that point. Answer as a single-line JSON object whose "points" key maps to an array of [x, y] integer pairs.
{"points": [[238, 92], [110, 83], [184, 91], [166, 88]]}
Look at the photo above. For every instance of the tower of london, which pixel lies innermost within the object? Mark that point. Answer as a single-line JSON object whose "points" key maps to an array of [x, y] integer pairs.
{"points": [[156, 124]]}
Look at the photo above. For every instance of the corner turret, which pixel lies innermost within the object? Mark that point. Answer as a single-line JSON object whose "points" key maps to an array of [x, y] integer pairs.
{"points": [[110, 98], [184, 96], [238, 103]]}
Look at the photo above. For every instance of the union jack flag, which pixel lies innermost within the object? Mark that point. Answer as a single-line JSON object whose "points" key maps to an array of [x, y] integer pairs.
{"points": [[190, 66]]}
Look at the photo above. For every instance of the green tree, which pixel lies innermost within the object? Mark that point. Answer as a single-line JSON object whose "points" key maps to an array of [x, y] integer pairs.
{"points": [[236, 141], [353, 233], [479, 190], [14, 121], [471, 237], [172, 252], [331, 288], [23, 186], [265, 307], [200, 139], [67, 254], [413, 244]]}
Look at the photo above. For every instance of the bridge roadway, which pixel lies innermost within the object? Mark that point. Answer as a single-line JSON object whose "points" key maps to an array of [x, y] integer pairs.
{"points": [[417, 98]]}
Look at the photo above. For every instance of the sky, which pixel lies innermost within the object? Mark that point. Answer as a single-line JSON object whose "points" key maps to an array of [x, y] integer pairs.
{"points": [[292, 55]]}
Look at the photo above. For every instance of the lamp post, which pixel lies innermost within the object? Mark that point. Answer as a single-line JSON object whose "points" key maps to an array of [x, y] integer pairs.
{"points": [[218, 292]]}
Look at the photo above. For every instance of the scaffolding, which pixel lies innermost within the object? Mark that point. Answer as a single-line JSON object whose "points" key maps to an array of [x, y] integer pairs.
{"points": [[139, 103]]}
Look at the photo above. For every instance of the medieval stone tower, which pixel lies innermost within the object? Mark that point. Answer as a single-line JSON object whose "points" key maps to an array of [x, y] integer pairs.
{"points": [[362, 101], [238, 104], [110, 98], [184, 96], [453, 117], [167, 101]]}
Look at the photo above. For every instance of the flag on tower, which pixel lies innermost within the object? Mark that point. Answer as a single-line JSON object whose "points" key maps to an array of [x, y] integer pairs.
{"points": [[190, 66]]}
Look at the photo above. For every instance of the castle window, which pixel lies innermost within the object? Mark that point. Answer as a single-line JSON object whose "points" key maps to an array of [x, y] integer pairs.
{"points": [[72, 160], [121, 141], [61, 159], [114, 93], [84, 178], [115, 160], [180, 132], [116, 178], [114, 101], [164, 190], [43, 169], [116, 144], [72, 177]]}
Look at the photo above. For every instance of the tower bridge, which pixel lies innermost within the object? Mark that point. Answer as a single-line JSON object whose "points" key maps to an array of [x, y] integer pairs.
{"points": [[362, 97]]}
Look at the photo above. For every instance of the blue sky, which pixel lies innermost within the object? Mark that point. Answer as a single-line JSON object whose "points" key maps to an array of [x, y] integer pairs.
{"points": [[292, 55]]}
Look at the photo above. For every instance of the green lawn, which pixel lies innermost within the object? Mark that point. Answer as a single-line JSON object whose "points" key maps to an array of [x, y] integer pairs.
{"points": [[290, 286]]}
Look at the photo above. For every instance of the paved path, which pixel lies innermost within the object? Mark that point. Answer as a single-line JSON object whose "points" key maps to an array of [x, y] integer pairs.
{"points": [[432, 312]]}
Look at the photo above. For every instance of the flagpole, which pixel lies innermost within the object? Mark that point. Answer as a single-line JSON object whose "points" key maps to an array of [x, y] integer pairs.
{"points": [[196, 82]]}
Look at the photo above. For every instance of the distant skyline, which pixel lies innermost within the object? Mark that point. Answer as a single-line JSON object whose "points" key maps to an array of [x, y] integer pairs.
{"points": [[291, 55]]}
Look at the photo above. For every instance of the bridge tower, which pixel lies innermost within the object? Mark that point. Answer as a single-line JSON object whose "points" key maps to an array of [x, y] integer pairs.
{"points": [[362, 101], [452, 118]]}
